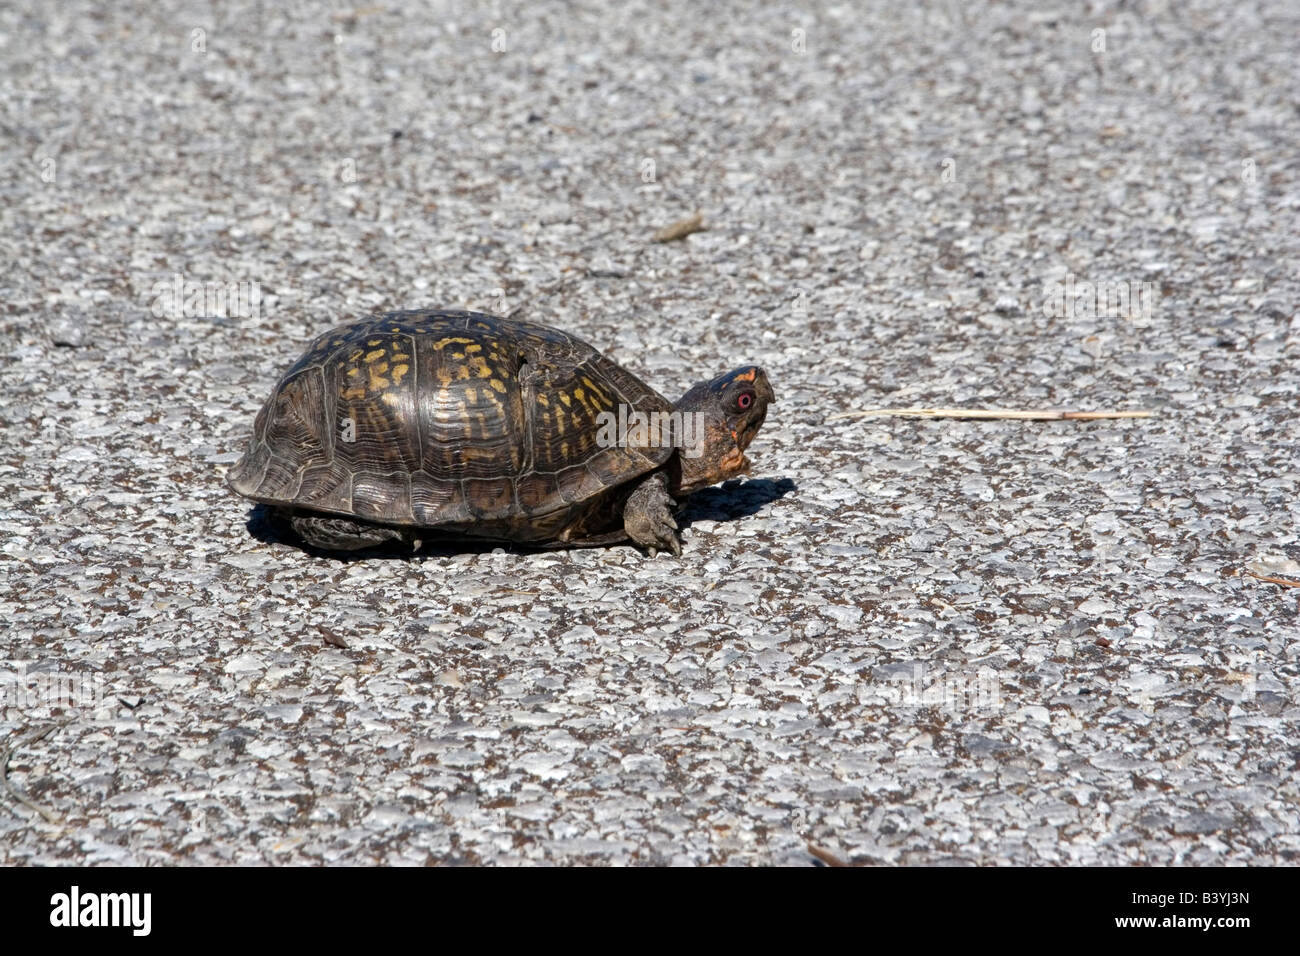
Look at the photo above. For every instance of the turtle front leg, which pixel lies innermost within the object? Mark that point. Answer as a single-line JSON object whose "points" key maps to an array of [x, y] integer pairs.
{"points": [[648, 516]]}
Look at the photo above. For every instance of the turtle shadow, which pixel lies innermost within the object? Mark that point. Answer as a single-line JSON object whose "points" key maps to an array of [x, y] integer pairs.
{"points": [[268, 527], [731, 501]]}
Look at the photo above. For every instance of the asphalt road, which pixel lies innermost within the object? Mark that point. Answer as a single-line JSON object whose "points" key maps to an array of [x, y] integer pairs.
{"points": [[900, 641]]}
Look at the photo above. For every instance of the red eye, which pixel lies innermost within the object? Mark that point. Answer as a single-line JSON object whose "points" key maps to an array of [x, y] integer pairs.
{"points": [[745, 400]]}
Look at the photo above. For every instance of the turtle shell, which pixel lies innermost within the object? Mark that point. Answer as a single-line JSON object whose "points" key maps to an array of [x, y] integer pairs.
{"points": [[446, 420]]}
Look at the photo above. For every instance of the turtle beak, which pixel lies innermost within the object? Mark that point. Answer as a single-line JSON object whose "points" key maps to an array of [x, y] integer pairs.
{"points": [[734, 463]]}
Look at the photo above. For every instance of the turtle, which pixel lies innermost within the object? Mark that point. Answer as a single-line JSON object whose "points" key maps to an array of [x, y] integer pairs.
{"points": [[412, 426]]}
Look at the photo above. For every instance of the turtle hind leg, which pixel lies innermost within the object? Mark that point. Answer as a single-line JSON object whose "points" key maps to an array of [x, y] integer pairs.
{"points": [[334, 533]]}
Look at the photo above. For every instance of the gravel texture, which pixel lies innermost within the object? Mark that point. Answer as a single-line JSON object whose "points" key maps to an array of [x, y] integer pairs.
{"points": [[900, 641]]}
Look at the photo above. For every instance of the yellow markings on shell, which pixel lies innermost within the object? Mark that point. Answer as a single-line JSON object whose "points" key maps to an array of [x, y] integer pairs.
{"points": [[542, 399], [499, 385], [443, 343], [598, 397], [355, 387], [399, 371], [471, 395], [564, 397], [444, 377], [442, 410], [476, 347], [592, 398], [376, 354], [458, 356], [374, 342]]}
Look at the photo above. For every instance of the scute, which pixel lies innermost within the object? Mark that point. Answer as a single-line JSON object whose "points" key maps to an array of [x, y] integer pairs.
{"points": [[433, 418]]}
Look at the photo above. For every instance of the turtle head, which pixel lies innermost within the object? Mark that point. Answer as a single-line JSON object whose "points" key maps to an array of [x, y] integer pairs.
{"points": [[720, 418]]}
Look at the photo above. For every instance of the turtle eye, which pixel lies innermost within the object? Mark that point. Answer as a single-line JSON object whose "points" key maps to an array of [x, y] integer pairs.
{"points": [[744, 400]]}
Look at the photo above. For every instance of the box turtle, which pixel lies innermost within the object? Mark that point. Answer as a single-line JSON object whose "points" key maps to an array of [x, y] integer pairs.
{"points": [[422, 424]]}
